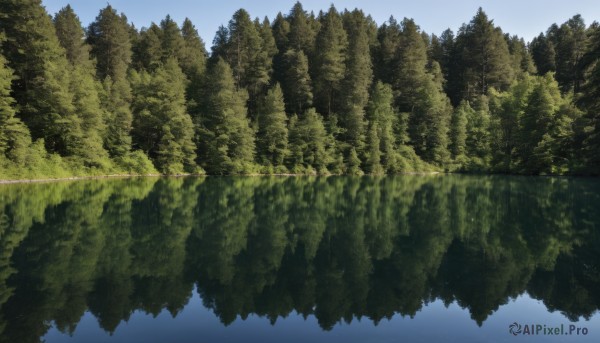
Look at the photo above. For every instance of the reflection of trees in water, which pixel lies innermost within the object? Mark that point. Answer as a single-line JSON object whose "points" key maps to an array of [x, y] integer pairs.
{"points": [[338, 248]]}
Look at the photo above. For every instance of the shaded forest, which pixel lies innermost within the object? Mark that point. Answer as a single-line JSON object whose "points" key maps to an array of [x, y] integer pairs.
{"points": [[336, 248], [328, 93]]}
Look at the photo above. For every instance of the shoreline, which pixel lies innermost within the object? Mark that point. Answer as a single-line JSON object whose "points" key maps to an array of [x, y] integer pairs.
{"points": [[117, 176]]}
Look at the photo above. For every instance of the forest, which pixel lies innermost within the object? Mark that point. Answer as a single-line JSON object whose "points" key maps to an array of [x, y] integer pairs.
{"points": [[323, 93]]}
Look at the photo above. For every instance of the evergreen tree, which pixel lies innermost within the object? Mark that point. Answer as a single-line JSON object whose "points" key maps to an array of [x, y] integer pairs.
{"points": [[458, 129], [357, 81], [297, 83], [14, 135], [569, 41], [308, 143], [329, 67], [384, 57], [192, 58], [109, 36], [42, 84], [147, 52], [590, 101], [301, 36], [272, 136], [226, 141], [84, 87], [484, 60], [477, 143], [172, 42], [420, 94], [384, 132], [543, 54], [116, 101], [162, 128], [71, 37]]}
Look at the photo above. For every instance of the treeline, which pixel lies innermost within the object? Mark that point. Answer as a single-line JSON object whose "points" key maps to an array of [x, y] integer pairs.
{"points": [[331, 93], [335, 249]]}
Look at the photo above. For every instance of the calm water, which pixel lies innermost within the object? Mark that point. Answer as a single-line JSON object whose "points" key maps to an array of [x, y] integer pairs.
{"points": [[267, 259]]}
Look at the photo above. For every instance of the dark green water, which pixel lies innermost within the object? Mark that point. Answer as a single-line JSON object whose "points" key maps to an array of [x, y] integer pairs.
{"points": [[269, 259]]}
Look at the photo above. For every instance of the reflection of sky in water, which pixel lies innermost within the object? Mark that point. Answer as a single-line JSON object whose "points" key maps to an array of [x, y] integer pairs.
{"points": [[434, 323]]}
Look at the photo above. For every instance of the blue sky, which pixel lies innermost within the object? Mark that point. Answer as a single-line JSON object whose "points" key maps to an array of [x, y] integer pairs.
{"points": [[526, 18]]}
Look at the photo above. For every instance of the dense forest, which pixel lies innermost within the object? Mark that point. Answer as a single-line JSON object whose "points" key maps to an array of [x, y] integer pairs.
{"points": [[326, 93], [333, 248]]}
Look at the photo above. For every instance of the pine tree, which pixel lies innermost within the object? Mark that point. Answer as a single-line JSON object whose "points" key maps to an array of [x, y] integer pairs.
{"points": [[301, 36], [272, 137], [458, 129], [384, 57], [192, 58], [590, 101], [477, 143], [147, 52], [71, 37], [162, 127], [41, 87], [308, 139], [420, 94], [484, 60], [383, 121], [543, 54], [297, 82], [357, 81], [330, 61], [569, 40], [116, 101], [226, 141], [14, 135], [109, 36], [84, 87], [172, 42]]}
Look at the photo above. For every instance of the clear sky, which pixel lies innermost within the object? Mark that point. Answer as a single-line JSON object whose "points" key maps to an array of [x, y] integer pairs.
{"points": [[526, 18]]}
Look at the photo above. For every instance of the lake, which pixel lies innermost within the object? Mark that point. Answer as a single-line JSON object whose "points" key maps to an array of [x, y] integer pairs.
{"points": [[417, 258]]}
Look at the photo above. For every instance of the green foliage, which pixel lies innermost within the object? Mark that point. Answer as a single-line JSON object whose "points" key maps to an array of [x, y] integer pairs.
{"points": [[308, 139], [272, 135], [330, 62], [225, 138], [162, 127], [109, 37], [110, 99]]}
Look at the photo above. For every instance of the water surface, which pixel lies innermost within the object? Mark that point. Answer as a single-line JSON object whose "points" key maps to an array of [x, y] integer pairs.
{"points": [[296, 259]]}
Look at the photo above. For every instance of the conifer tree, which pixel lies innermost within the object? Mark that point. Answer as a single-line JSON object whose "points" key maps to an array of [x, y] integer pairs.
{"points": [[272, 136], [192, 58], [308, 143], [330, 61], [478, 134], [301, 36], [226, 141], [71, 37], [116, 101], [297, 82], [42, 84], [147, 52], [420, 94], [458, 129], [162, 128], [590, 101], [14, 135], [109, 37], [357, 81], [384, 56], [383, 122], [85, 88], [543, 54], [483, 60]]}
